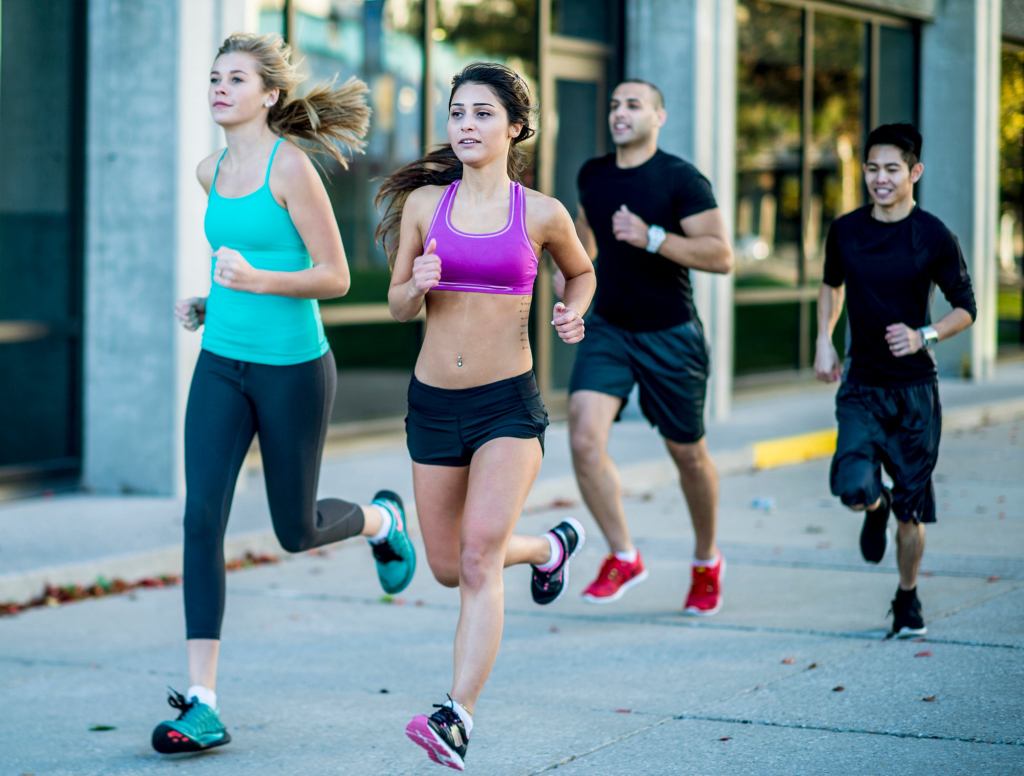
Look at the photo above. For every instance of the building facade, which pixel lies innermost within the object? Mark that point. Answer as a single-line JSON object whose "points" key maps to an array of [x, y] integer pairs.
{"points": [[103, 115]]}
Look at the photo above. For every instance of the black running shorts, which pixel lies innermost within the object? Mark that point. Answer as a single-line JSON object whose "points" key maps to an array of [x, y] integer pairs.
{"points": [[898, 428], [444, 426], [670, 365]]}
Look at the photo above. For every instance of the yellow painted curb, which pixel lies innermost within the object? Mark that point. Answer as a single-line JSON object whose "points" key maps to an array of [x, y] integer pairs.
{"points": [[795, 449]]}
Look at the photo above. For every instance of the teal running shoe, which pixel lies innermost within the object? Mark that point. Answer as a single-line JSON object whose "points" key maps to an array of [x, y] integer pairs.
{"points": [[395, 555], [197, 727]]}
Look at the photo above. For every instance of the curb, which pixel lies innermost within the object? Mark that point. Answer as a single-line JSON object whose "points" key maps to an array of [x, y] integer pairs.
{"points": [[545, 495]]}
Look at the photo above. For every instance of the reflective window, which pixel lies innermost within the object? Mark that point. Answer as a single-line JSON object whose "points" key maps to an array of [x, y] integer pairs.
{"points": [[596, 20], [897, 75], [768, 187], [470, 31], [379, 41], [838, 127], [768, 145], [1010, 238], [40, 248]]}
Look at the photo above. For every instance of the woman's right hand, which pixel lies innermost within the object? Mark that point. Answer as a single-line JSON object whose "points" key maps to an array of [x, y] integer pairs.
{"points": [[191, 312], [426, 269]]}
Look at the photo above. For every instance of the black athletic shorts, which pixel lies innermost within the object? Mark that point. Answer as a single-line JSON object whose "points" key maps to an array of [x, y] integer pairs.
{"points": [[671, 367], [898, 428], [446, 426]]}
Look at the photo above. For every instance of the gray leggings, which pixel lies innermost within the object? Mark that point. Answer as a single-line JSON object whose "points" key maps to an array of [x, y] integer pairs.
{"points": [[289, 408]]}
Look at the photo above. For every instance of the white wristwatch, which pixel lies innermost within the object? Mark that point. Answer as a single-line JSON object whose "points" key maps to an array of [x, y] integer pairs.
{"points": [[928, 336], [655, 237]]}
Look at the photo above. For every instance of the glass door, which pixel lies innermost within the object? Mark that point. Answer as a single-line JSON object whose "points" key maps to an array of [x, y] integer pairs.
{"points": [[573, 130], [41, 61]]}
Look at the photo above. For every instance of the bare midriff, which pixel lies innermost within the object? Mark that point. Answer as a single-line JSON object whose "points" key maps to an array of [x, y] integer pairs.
{"points": [[474, 339]]}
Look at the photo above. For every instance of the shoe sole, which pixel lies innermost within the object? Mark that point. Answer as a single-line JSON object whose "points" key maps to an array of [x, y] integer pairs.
{"points": [[693, 611], [909, 633], [164, 743], [420, 733], [593, 599]]}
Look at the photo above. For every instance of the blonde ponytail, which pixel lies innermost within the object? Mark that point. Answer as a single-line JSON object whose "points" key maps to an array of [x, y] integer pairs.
{"points": [[329, 119]]}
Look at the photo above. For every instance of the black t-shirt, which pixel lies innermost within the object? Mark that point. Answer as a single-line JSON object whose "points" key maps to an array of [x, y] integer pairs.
{"points": [[637, 290], [890, 270]]}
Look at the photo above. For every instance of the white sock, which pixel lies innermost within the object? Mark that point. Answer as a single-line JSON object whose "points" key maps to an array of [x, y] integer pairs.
{"points": [[712, 562], [386, 520], [203, 695], [557, 553], [465, 716], [627, 557]]}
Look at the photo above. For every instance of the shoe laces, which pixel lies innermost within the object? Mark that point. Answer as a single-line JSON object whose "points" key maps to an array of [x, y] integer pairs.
{"points": [[178, 701], [447, 715], [611, 568]]}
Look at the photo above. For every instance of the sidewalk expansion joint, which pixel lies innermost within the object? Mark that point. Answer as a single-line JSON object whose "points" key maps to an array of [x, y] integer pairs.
{"points": [[667, 619], [848, 730]]}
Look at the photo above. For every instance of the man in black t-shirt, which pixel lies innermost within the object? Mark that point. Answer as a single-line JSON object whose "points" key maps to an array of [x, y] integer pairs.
{"points": [[649, 218], [889, 255]]}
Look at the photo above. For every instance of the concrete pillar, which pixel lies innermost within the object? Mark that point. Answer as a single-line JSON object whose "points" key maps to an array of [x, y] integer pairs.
{"points": [[129, 392], [688, 48], [960, 122]]}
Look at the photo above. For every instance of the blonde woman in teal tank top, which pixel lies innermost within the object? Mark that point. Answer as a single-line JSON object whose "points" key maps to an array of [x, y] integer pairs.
{"points": [[265, 366]]}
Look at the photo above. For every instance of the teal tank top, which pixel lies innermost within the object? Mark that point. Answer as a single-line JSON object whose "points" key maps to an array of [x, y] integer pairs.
{"points": [[260, 328]]}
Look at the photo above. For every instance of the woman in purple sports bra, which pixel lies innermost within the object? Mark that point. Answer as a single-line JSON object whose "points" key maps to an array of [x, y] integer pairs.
{"points": [[463, 237]]}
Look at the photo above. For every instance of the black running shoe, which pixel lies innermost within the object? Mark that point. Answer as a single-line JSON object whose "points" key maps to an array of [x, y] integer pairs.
{"points": [[907, 621], [442, 734], [873, 534], [547, 586]]}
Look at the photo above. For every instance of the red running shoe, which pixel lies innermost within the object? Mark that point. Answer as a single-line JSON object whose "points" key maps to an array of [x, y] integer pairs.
{"points": [[705, 596], [615, 578]]}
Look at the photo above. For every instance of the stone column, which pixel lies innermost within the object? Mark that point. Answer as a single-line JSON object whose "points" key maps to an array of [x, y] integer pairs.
{"points": [[959, 122]]}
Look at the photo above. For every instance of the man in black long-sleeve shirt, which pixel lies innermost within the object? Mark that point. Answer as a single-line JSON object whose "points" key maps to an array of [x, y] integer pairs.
{"points": [[889, 255]]}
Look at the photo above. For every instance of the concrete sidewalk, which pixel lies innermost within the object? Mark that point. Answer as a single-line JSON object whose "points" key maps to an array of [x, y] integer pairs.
{"points": [[73, 539], [319, 674]]}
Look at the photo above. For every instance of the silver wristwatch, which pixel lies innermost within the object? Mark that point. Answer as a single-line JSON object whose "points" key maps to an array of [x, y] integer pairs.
{"points": [[655, 237], [928, 336]]}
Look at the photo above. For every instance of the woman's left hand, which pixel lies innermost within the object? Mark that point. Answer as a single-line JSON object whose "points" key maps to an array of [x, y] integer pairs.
{"points": [[567, 323], [233, 271]]}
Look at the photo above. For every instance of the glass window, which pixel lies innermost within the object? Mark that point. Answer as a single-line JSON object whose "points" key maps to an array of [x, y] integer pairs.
{"points": [[768, 145], [768, 191], [470, 31], [271, 17], [1010, 239], [40, 249], [596, 20], [379, 41], [897, 75], [838, 121]]}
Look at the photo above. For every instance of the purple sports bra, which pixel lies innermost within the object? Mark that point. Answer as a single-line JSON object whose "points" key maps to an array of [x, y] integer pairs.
{"points": [[501, 262]]}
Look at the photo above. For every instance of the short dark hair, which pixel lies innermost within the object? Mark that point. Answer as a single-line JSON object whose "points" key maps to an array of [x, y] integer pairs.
{"points": [[659, 98], [904, 136]]}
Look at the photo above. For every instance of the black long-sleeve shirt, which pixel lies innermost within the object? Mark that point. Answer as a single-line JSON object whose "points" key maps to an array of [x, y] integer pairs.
{"points": [[890, 270]]}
